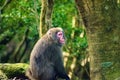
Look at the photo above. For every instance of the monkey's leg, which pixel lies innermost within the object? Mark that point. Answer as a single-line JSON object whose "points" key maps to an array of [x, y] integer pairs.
{"points": [[48, 74]]}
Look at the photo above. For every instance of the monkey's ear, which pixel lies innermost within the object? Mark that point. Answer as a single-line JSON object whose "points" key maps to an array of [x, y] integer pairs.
{"points": [[49, 32]]}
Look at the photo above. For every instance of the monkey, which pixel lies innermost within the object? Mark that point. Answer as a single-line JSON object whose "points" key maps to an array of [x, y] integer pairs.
{"points": [[46, 59]]}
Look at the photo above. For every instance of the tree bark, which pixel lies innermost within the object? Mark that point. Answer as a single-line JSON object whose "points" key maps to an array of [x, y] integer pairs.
{"points": [[102, 29], [45, 16], [48, 20]]}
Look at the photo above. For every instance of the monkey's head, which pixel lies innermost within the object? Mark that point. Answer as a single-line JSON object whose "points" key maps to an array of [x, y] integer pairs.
{"points": [[57, 35]]}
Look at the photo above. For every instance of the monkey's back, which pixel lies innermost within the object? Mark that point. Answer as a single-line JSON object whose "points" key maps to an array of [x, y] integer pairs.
{"points": [[43, 56]]}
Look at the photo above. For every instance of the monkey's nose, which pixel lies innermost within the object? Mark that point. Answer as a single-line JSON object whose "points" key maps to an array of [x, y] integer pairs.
{"points": [[62, 40]]}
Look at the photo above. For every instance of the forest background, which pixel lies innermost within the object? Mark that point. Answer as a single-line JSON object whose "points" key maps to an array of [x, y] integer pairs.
{"points": [[91, 26]]}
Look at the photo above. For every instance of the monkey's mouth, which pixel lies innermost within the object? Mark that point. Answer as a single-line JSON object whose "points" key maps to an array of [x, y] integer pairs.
{"points": [[62, 40]]}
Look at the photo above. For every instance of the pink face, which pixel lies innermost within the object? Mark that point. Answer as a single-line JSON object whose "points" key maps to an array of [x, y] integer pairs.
{"points": [[60, 36]]}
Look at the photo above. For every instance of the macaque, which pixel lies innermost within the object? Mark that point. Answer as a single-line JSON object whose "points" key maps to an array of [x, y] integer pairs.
{"points": [[46, 59]]}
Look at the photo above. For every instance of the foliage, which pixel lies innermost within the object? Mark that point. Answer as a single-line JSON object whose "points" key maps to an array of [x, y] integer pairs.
{"points": [[17, 18], [62, 16]]}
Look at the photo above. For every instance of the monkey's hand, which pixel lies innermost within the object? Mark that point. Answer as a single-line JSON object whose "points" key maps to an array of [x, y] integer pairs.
{"points": [[67, 78]]}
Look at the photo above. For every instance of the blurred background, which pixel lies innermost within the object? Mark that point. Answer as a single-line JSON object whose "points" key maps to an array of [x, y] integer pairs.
{"points": [[20, 29]]}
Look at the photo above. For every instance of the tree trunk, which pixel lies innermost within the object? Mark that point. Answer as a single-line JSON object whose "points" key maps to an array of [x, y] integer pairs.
{"points": [[42, 16], [45, 16], [102, 31], [16, 53], [49, 13]]}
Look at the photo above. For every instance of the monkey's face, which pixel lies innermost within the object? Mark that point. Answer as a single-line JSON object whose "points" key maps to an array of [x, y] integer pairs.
{"points": [[60, 37], [57, 35]]}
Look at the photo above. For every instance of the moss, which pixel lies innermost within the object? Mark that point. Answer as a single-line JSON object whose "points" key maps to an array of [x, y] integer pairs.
{"points": [[113, 72], [3, 76], [14, 70], [113, 75]]}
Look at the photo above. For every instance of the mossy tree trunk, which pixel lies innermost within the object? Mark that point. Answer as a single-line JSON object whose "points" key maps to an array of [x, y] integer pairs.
{"points": [[102, 22], [45, 16], [12, 71]]}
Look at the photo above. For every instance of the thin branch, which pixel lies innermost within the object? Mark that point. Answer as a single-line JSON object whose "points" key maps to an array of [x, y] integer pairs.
{"points": [[5, 3]]}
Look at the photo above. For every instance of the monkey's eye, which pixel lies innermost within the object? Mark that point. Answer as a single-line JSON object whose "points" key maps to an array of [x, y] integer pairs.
{"points": [[59, 34]]}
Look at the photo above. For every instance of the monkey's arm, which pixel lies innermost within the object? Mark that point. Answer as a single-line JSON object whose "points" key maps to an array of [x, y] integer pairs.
{"points": [[61, 70], [62, 74]]}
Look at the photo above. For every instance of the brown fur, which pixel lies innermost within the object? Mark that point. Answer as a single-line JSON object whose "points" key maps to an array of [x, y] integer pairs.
{"points": [[46, 62]]}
